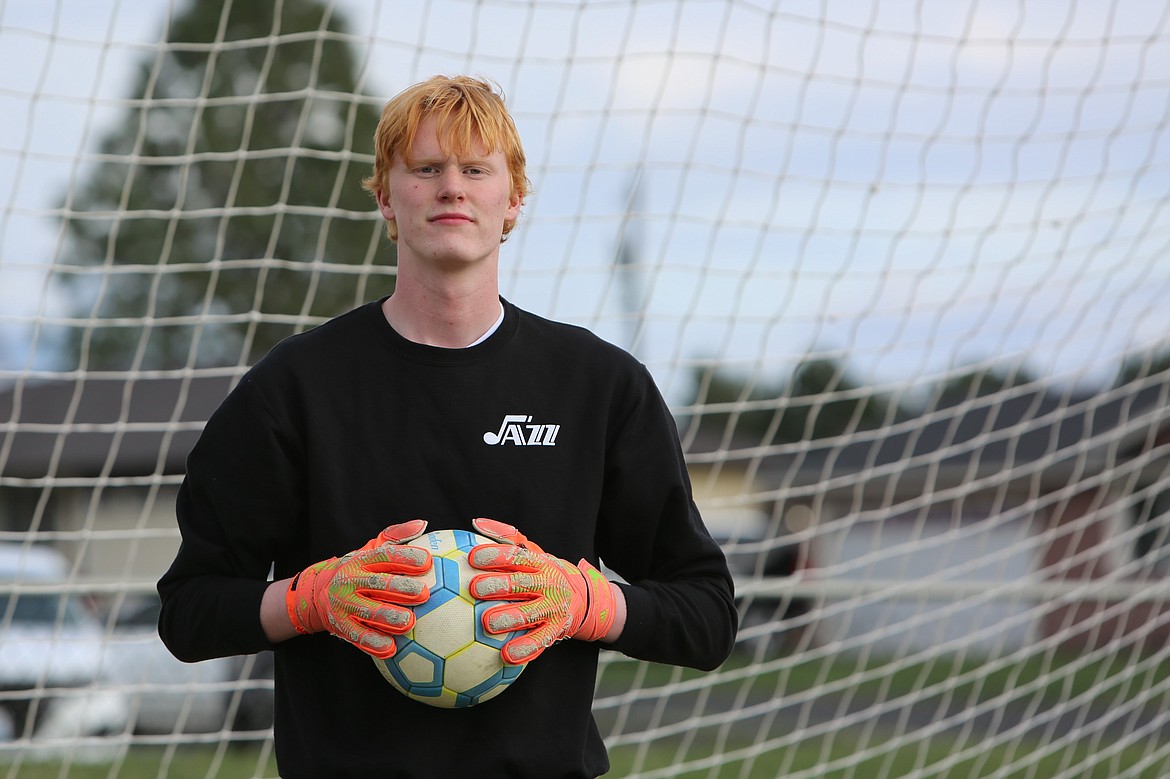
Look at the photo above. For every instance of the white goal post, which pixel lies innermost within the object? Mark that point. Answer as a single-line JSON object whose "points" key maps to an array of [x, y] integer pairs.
{"points": [[900, 268]]}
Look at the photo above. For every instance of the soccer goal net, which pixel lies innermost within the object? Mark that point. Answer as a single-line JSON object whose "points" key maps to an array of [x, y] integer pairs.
{"points": [[900, 269]]}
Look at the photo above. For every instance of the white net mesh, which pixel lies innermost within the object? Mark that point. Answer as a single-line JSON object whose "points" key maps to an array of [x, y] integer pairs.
{"points": [[900, 268]]}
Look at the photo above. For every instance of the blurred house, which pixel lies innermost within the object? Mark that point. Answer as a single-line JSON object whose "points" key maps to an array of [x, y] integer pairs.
{"points": [[966, 502], [93, 465], [971, 524]]}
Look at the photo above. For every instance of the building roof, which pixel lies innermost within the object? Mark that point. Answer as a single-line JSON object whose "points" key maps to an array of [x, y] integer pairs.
{"points": [[87, 427], [1035, 438]]}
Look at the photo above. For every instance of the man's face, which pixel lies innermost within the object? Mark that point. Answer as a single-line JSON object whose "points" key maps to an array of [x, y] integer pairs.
{"points": [[450, 209]]}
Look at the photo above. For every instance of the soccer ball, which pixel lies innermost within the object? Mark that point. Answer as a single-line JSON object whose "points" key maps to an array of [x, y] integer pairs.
{"points": [[448, 659]]}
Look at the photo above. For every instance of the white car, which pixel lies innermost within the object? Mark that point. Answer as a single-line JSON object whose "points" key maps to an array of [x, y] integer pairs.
{"points": [[52, 692], [170, 696]]}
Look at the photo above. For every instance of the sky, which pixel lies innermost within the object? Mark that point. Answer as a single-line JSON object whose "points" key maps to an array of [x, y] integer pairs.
{"points": [[911, 187]]}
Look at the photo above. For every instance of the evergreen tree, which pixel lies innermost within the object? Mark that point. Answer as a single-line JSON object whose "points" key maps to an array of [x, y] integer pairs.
{"points": [[980, 383], [1140, 366], [819, 400], [228, 194], [827, 402]]}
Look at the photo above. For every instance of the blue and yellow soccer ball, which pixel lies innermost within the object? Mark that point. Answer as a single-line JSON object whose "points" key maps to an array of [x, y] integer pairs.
{"points": [[448, 659]]}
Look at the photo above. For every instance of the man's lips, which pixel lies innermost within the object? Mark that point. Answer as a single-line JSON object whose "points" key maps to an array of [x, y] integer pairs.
{"points": [[451, 218]]}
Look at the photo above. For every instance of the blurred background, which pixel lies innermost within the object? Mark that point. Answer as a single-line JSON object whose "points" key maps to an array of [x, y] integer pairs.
{"points": [[900, 267]]}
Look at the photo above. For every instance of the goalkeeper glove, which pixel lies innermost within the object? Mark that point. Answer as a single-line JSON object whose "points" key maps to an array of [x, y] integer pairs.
{"points": [[361, 597], [553, 599]]}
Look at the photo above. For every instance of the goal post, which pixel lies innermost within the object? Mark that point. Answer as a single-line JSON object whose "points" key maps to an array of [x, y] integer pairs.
{"points": [[899, 269]]}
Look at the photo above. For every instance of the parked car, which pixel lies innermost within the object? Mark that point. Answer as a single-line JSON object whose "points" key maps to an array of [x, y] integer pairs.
{"points": [[170, 696], [52, 691]]}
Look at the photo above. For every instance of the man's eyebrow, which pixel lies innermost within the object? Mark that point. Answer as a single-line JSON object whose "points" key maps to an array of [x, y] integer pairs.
{"points": [[470, 159]]}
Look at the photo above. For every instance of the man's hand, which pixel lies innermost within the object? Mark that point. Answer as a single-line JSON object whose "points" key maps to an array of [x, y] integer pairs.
{"points": [[554, 598], [361, 597]]}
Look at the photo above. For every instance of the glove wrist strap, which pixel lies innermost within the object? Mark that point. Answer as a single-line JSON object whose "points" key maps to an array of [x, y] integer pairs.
{"points": [[298, 603], [599, 610]]}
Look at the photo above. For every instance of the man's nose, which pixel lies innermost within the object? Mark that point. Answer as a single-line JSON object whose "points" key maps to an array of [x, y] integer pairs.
{"points": [[451, 184]]}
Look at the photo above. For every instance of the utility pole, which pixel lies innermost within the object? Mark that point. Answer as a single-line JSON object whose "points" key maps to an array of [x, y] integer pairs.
{"points": [[625, 262]]}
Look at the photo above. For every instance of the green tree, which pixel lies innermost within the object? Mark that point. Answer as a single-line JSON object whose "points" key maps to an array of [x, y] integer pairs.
{"points": [[828, 402], [1143, 365], [228, 194], [980, 382], [819, 400], [733, 405]]}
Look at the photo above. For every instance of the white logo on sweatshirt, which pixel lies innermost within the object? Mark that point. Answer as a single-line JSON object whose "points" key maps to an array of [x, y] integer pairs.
{"points": [[517, 429]]}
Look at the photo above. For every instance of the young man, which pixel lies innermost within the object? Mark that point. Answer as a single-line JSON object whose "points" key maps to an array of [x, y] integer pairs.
{"points": [[343, 437]]}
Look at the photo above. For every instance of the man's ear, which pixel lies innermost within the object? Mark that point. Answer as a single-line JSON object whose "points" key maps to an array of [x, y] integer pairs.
{"points": [[384, 205], [515, 201]]}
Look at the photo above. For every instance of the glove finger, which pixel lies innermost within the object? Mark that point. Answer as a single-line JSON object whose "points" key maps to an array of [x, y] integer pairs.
{"points": [[372, 630], [375, 643], [396, 559], [399, 590], [387, 619], [498, 531], [376, 586], [541, 613], [502, 586], [503, 532], [502, 557], [509, 617], [383, 650], [366, 623], [402, 533], [528, 647]]}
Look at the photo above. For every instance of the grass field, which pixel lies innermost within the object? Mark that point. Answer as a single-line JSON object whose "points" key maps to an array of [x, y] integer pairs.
{"points": [[841, 757], [763, 747], [825, 758], [1032, 717], [157, 762]]}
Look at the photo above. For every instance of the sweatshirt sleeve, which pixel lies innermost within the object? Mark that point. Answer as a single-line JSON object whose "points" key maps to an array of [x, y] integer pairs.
{"points": [[679, 591], [240, 496]]}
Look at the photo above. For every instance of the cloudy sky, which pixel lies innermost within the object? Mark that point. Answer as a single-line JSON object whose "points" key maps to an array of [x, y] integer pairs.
{"points": [[911, 186]]}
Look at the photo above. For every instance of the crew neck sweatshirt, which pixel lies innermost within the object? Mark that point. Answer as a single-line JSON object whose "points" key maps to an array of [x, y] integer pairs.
{"points": [[348, 428]]}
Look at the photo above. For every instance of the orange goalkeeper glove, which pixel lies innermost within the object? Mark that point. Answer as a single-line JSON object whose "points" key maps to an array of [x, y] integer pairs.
{"points": [[361, 596], [553, 599]]}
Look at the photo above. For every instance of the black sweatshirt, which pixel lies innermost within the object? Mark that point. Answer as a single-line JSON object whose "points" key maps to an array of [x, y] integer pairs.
{"points": [[348, 428]]}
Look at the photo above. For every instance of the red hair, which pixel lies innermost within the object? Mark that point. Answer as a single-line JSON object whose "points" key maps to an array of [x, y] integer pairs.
{"points": [[468, 112]]}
